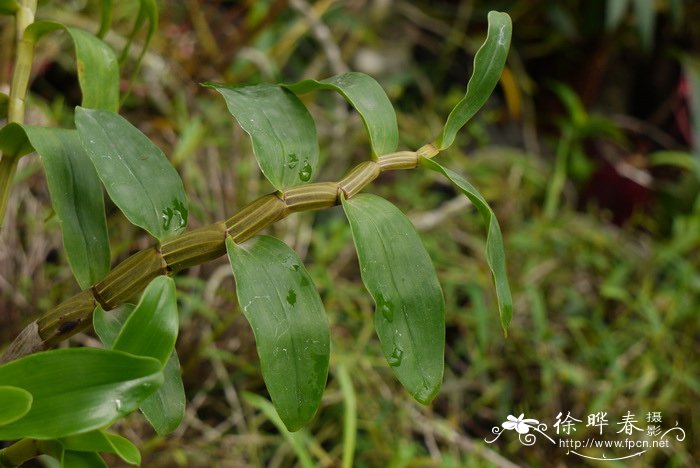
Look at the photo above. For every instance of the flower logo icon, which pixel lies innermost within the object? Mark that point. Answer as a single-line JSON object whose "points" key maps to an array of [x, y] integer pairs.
{"points": [[522, 426]]}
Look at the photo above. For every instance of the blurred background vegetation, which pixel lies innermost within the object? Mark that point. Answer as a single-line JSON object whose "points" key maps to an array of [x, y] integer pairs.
{"points": [[589, 151]]}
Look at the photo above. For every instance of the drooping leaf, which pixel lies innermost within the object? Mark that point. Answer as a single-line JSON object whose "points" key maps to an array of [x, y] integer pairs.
{"points": [[281, 303], [369, 99], [165, 409], [13, 140], [14, 403], [103, 441], [98, 69], [495, 253], [76, 197], [281, 130], [137, 175], [151, 329], [410, 310], [77, 390], [298, 440], [107, 325], [488, 65]]}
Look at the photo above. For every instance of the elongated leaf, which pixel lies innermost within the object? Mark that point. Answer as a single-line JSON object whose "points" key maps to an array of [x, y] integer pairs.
{"points": [[76, 196], [165, 409], [488, 65], [614, 12], [14, 403], [8, 7], [410, 310], [281, 130], [97, 65], [13, 140], [495, 253], [78, 390], [151, 329], [107, 325], [369, 99], [148, 9], [645, 16], [137, 175], [291, 330], [103, 441], [298, 440]]}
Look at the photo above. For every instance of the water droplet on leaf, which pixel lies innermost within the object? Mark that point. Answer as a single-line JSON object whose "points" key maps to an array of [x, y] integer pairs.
{"points": [[396, 357], [292, 160], [385, 308], [305, 172], [291, 297]]}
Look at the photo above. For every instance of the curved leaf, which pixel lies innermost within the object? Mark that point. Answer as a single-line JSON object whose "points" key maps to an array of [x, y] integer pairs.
{"points": [[103, 441], [77, 390], [151, 329], [76, 197], [137, 175], [165, 409], [281, 130], [97, 65], [14, 403], [488, 65], [74, 459], [369, 99], [410, 310], [495, 253], [107, 325], [281, 303]]}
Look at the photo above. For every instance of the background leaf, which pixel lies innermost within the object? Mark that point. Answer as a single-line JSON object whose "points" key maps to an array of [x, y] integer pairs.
{"points": [[495, 253], [488, 65], [77, 390], [14, 403], [97, 65], [410, 311], [76, 197], [73, 459], [281, 130], [369, 99], [103, 441], [281, 303], [137, 175], [151, 329]]}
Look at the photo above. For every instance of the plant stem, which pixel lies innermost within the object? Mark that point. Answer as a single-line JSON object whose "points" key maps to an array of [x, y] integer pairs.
{"points": [[18, 93], [126, 281], [556, 186]]}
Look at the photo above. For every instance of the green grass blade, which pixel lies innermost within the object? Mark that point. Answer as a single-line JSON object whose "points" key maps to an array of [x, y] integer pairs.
{"points": [[410, 310], [281, 130], [495, 253], [349, 416], [137, 175], [281, 303], [76, 197], [488, 65], [369, 99], [87, 389]]}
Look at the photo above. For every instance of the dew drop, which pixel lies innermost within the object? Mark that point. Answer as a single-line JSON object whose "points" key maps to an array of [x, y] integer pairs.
{"points": [[396, 357], [167, 215], [292, 160], [385, 308], [291, 297], [305, 172], [118, 405], [295, 267]]}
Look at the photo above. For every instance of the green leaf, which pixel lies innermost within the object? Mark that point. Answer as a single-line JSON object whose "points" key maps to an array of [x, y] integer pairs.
{"points": [[281, 303], [14, 403], [410, 310], [137, 175], [76, 197], [281, 130], [103, 441], [298, 440], [14, 141], [8, 7], [645, 15], [488, 65], [97, 65], [73, 459], [148, 9], [107, 325], [151, 329], [495, 253], [4, 104], [77, 390], [369, 99], [165, 409]]}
